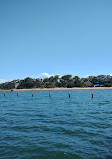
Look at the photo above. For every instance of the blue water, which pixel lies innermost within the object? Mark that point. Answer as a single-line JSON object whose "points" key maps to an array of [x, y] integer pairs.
{"points": [[56, 127]]}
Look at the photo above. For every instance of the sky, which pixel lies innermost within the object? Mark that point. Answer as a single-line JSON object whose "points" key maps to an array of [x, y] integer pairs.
{"points": [[48, 37]]}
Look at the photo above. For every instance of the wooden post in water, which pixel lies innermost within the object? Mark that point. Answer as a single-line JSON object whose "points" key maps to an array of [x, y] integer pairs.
{"points": [[49, 94], [69, 94], [4, 94], [32, 94], [92, 94]]}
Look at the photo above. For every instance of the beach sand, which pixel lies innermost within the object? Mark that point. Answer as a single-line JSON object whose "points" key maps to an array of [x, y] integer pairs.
{"points": [[56, 89]]}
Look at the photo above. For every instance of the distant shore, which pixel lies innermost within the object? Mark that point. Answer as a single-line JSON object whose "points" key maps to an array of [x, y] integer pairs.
{"points": [[56, 89]]}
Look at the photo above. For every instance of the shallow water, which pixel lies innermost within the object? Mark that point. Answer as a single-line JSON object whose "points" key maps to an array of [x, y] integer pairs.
{"points": [[56, 127]]}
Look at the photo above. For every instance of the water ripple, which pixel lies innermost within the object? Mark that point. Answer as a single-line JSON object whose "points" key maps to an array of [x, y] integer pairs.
{"points": [[56, 127]]}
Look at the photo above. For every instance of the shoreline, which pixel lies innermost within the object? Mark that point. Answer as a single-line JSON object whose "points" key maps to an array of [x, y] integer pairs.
{"points": [[61, 89]]}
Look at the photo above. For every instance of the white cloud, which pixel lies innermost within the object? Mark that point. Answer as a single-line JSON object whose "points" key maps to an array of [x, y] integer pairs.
{"points": [[3, 80], [44, 75], [86, 76]]}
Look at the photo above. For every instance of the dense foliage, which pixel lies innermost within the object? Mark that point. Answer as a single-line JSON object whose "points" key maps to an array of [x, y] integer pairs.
{"points": [[57, 81]]}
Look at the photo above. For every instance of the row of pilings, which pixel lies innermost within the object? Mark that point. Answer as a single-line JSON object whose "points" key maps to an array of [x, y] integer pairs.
{"points": [[69, 95]]}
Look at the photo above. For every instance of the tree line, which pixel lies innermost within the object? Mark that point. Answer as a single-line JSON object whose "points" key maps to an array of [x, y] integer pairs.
{"points": [[66, 81]]}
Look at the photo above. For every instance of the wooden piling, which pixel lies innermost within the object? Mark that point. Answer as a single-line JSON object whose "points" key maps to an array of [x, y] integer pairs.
{"points": [[92, 94], [69, 94]]}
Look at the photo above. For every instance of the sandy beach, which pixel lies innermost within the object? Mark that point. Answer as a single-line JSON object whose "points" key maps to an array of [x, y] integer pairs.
{"points": [[56, 89]]}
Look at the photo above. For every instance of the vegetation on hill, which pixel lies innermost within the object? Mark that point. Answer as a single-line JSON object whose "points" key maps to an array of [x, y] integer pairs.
{"points": [[57, 81]]}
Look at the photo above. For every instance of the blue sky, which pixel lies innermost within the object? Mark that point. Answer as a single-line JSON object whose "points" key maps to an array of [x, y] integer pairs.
{"points": [[55, 37]]}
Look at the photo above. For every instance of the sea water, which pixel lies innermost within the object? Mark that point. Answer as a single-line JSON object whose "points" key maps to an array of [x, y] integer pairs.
{"points": [[56, 127]]}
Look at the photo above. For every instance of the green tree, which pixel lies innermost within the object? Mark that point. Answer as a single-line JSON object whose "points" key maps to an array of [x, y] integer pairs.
{"points": [[65, 80], [77, 81]]}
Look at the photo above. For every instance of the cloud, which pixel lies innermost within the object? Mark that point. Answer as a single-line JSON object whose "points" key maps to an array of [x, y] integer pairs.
{"points": [[3, 80], [44, 75], [86, 76]]}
